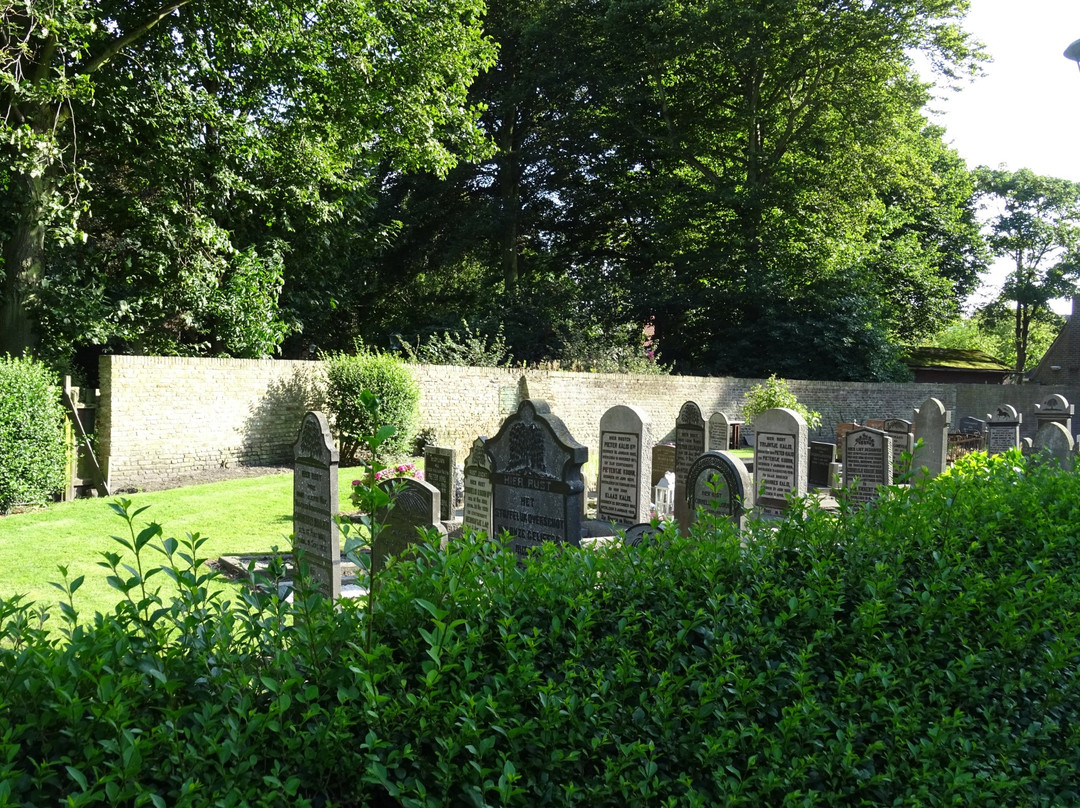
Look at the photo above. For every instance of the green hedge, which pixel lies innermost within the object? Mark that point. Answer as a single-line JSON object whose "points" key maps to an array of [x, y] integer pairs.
{"points": [[33, 451], [923, 652]]}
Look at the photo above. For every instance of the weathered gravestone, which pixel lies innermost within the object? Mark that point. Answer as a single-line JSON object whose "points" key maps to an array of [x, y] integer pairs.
{"points": [[868, 463], [689, 443], [970, 425], [719, 432], [440, 468], [719, 484], [537, 487], [623, 489], [315, 503], [476, 511], [780, 467], [822, 459], [1054, 409], [932, 428], [641, 533], [842, 430], [413, 512], [1054, 441], [1003, 429], [902, 441]]}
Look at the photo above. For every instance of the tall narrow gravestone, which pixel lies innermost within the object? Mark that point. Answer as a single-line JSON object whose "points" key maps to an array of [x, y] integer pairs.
{"points": [[719, 432], [315, 503], [689, 443], [477, 508], [902, 441], [1003, 429], [537, 487], [1053, 441], [932, 429], [868, 463], [819, 468], [439, 470], [414, 510], [1054, 409], [780, 459], [623, 489], [719, 484]]}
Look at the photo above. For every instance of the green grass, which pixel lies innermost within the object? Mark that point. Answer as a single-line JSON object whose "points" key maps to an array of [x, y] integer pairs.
{"points": [[249, 515]]}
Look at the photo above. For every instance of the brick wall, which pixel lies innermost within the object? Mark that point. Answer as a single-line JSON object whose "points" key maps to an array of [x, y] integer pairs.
{"points": [[163, 417]]}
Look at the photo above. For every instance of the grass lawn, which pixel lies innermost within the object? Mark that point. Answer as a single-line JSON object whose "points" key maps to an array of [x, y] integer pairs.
{"points": [[247, 515]]}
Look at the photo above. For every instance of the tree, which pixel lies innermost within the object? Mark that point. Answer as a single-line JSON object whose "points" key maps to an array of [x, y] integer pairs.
{"points": [[1038, 229], [253, 119]]}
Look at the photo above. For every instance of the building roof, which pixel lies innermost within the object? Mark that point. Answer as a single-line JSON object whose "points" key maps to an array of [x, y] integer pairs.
{"points": [[952, 359]]}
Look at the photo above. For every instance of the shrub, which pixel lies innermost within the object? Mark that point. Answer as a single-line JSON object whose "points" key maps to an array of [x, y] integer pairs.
{"points": [[397, 397], [773, 393], [465, 347], [33, 451]]}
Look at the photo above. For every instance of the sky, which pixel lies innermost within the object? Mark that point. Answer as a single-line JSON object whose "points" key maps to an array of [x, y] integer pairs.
{"points": [[1025, 111]]}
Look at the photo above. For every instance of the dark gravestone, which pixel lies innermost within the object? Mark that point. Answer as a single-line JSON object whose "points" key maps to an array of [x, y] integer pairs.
{"points": [[641, 533], [1054, 442], [623, 488], [972, 426], [440, 466], [414, 510], [822, 456], [1003, 429], [537, 487], [720, 485], [867, 459], [315, 503], [477, 506], [689, 443], [903, 440]]}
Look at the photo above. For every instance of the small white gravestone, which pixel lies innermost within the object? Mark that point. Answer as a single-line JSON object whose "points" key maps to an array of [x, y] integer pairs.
{"points": [[315, 503], [719, 432]]}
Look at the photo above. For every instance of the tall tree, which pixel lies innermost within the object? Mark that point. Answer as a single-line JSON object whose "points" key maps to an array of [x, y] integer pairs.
{"points": [[1036, 227]]}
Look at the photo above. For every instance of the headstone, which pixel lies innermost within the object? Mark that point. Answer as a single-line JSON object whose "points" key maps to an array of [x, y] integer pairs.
{"points": [[689, 443], [822, 457], [972, 426], [476, 511], [1003, 429], [1054, 441], [842, 430], [875, 423], [932, 428], [902, 441], [720, 485], [623, 483], [537, 487], [415, 509], [1054, 409], [641, 533], [440, 468], [719, 432], [780, 467], [315, 503], [868, 461]]}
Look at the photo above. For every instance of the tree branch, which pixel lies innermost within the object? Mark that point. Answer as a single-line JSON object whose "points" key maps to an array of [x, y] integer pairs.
{"points": [[131, 36]]}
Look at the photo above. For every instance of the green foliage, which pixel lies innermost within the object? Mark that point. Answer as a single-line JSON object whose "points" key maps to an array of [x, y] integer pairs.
{"points": [[33, 452], [464, 347], [393, 401], [773, 393], [992, 331], [610, 350], [921, 651]]}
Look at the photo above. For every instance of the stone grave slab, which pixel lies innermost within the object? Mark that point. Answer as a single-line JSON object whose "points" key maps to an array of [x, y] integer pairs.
{"points": [[315, 503], [868, 463], [1054, 441], [641, 533], [537, 487], [932, 428], [623, 481], [822, 457], [440, 470], [780, 459], [841, 431], [476, 511], [1054, 409], [970, 425], [415, 507], [720, 485], [1003, 429], [719, 432], [903, 440], [689, 443]]}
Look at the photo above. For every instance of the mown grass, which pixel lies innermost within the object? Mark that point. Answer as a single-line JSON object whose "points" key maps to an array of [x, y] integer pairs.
{"points": [[250, 515]]}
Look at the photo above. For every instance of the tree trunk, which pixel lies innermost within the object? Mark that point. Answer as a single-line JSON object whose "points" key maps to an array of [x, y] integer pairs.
{"points": [[22, 264]]}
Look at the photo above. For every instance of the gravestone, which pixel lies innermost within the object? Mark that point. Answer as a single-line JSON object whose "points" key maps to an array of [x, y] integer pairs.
{"points": [[1003, 429], [868, 460], [415, 507], [623, 482], [440, 470], [780, 467], [970, 425], [902, 441], [932, 428], [1054, 441], [841, 431], [689, 443], [476, 511], [822, 458], [719, 484], [315, 503], [1054, 409], [537, 488], [875, 423], [719, 432], [641, 533]]}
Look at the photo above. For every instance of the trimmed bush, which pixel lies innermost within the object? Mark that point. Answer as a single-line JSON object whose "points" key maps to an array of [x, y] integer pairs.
{"points": [[397, 396], [920, 652], [33, 451]]}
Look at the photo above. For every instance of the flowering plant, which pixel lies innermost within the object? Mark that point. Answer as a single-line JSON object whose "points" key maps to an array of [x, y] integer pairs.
{"points": [[400, 470]]}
